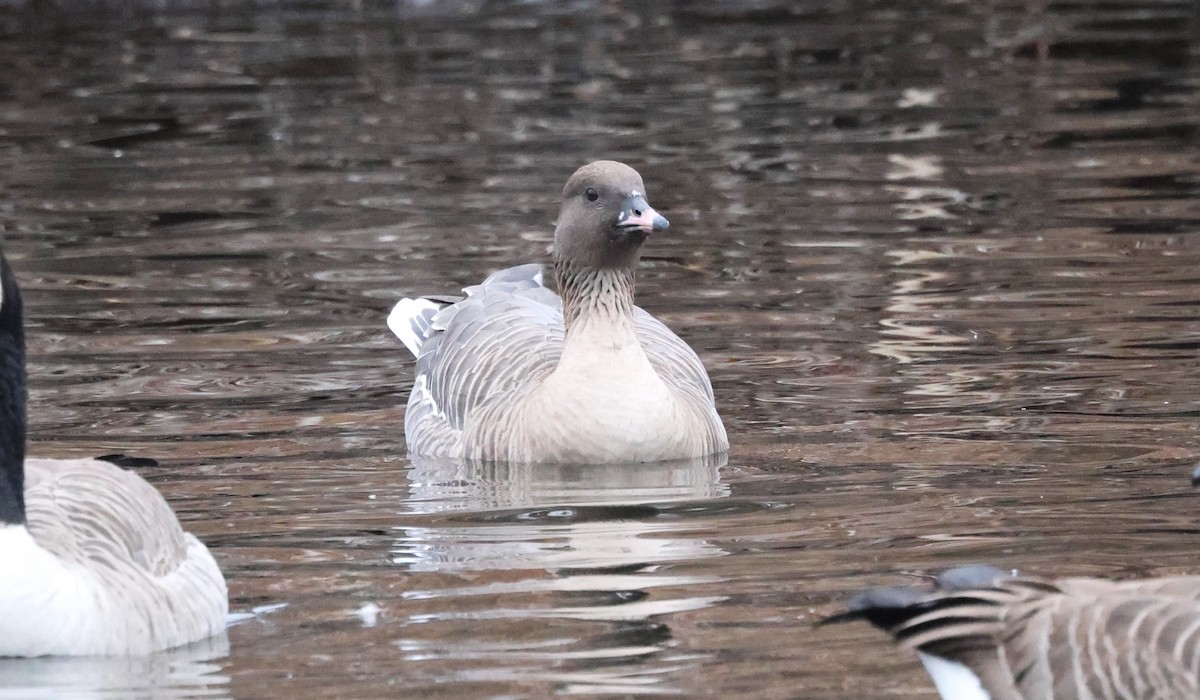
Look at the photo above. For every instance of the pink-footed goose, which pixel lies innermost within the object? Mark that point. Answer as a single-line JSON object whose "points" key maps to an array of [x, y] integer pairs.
{"points": [[986, 635], [92, 559], [515, 372]]}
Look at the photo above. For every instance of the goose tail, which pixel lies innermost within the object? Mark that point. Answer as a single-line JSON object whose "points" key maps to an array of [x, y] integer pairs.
{"points": [[411, 320]]}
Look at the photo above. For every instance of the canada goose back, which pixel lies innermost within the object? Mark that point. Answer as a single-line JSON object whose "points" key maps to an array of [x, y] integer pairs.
{"points": [[1031, 639]]}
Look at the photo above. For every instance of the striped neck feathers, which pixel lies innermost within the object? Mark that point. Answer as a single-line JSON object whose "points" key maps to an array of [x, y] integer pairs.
{"points": [[593, 293]]}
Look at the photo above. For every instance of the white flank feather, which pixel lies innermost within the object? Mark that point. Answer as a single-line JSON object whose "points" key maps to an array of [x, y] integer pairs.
{"points": [[953, 680], [43, 606]]}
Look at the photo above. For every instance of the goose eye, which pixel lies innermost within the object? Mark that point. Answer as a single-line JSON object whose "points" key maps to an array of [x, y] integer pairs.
{"points": [[592, 194]]}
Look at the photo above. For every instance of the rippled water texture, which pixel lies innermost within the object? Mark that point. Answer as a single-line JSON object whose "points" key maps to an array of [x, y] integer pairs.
{"points": [[942, 262]]}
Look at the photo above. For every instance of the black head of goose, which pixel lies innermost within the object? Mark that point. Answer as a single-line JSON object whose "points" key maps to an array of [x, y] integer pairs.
{"points": [[983, 634], [514, 372], [94, 560]]}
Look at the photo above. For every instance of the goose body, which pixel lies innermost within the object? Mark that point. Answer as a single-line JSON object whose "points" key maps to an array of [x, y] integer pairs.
{"points": [[987, 635], [515, 372], [94, 560]]}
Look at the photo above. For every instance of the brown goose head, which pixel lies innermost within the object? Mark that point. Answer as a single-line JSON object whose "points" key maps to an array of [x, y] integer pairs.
{"points": [[605, 218]]}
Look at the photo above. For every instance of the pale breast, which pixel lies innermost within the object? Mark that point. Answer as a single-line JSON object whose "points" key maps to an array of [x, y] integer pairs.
{"points": [[607, 405]]}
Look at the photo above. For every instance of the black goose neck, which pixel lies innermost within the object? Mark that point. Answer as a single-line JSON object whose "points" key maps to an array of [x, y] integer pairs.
{"points": [[12, 399]]}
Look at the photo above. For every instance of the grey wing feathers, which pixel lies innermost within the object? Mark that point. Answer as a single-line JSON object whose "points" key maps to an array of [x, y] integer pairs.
{"points": [[415, 320], [504, 336], [88, 510], [1153, 626], [518, 277], [673, 359]]}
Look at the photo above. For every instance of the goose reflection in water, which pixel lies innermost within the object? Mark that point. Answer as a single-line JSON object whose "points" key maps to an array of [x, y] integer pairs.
{"points": [[560, 542], [192, 671], [547, 516], [446, 485]]}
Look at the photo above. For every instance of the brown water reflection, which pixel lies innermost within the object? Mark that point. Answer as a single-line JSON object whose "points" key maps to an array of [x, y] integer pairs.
{"points": [[940, 260]]}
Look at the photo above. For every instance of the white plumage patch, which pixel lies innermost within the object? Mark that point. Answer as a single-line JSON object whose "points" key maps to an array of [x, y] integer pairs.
{"points": [[43, 607], [409, 320], [953, 680]]}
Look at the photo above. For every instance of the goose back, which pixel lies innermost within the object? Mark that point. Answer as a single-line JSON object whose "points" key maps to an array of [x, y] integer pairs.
{"points": [[1032, 639], [140, 583]]}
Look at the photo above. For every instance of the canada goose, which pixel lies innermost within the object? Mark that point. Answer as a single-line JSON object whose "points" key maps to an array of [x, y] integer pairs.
{"points": [[515, 373], [986, 635], [92, 559]]}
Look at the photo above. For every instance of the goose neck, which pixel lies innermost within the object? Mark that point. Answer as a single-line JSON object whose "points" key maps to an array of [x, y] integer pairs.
{"points": [[12, 400], [595, 294]]}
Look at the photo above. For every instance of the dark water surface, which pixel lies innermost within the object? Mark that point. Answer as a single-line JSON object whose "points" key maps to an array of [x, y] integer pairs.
{"points": [[942, 261]]}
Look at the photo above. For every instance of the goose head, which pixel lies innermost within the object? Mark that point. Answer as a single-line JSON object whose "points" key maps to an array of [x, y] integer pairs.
{"points": [[605, 218]]}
